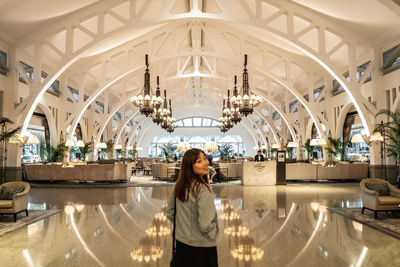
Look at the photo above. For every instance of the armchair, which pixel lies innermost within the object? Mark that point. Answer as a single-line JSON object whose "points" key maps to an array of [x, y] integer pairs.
{"points": [[19, 201], [373, 201]]}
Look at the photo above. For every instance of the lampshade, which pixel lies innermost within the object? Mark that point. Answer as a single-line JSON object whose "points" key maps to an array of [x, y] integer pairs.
{"points": [[138, 148], [80, 143], [293, 144], [277, 146], [322, 142], [33, 140], [69, 142], [263, 147], [376, 137], [357, 138], [118, 146], [314, 142], [129, 148], [101, 145]]}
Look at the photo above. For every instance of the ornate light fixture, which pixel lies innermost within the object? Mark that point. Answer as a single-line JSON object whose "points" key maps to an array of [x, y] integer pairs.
{"points": [[158, 110], [246, 101], [171, 120], [145, 101], [165, 113], [235, 113], [224, 121]]}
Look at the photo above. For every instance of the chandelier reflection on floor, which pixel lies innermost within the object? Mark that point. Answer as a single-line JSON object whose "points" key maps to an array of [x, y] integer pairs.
{"points": [[244, 248], [146, 101], [149, 247]]}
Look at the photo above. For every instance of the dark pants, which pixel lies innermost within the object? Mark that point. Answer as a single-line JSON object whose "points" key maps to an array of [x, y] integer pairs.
{"points": [[195, 256]]}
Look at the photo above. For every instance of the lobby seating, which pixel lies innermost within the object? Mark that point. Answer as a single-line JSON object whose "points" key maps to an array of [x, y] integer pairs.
{"points": [[19, 201], [372, 200], [92, 172], [227, 170], [164, 171]]}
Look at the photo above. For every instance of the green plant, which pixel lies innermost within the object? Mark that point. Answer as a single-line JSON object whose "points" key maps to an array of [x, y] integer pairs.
{"points": [[44, 153], [273, 152], [59, 152], [169, 151], [86, 150], [225, 151], [391, 132], [289, 150], [308, 148], [335, 149]]}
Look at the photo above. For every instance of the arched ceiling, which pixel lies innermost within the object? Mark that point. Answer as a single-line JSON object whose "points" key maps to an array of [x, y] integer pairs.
{"points": [[195, 47]]}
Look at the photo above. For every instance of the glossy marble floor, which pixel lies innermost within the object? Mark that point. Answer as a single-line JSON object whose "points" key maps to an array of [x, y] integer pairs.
{"points": [[260, 226]]}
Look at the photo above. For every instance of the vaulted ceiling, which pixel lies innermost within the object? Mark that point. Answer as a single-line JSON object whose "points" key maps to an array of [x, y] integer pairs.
{"points": [[196, 47]]}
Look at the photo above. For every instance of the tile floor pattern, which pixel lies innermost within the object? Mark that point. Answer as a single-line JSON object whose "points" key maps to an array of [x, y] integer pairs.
{"points": [[277, 226]]}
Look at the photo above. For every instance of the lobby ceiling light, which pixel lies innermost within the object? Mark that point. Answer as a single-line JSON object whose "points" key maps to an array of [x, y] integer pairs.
{"points": [[171, 121], [158, 110], [146, 101], [246, 101], [357, 138], [235, 113], [293, 144]]}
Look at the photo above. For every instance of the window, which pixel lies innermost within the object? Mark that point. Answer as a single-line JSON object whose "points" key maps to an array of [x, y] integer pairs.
{"points": [[391, 59], [3, 63], [28, 70], [54, 87], [197, 122]]}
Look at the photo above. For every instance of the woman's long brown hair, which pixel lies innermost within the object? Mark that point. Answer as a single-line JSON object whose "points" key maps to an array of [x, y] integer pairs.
{"points": [[188, 181]]}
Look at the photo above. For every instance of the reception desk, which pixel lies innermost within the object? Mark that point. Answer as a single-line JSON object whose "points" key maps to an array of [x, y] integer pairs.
{"points": [[259, 173]]}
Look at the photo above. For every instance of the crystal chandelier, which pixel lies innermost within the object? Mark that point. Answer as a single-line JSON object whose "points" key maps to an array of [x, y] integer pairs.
{"points": [[224, 121], [235, 113], [165, 113], [171, 120], [158, 110], [145, 101], [246, 101]]}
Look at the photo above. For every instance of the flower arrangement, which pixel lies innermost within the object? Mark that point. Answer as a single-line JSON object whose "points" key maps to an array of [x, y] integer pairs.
{"points": [[183, 147], [211, 146]]}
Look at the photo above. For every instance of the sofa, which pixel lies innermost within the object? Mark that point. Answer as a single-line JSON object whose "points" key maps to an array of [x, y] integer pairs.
{"points": [[161, 171], [19, 201], [372, 200], [228, 170]]}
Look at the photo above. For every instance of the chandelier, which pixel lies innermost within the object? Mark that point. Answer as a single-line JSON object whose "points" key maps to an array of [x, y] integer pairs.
{"points": [[235, 113], [171, 121], [165, 113], [246, 101], [224, 122], [158, 110], [145, 101]]}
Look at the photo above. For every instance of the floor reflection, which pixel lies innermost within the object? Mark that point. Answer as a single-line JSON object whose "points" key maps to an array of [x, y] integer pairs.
{"points": [[260, 226]]}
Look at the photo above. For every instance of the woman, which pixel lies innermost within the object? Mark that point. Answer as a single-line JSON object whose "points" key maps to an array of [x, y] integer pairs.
{"points": [[196, 217]]}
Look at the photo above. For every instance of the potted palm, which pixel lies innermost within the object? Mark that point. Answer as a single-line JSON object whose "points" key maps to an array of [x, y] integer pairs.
{"points": [[225, 151], [169, 151], [308, 148], [390, 130]]}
